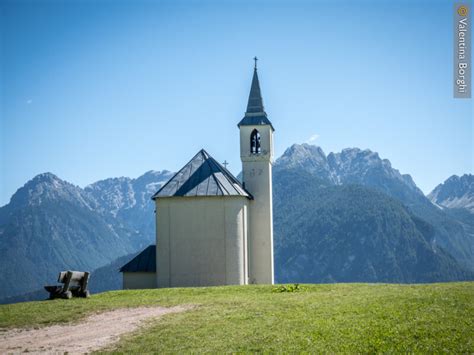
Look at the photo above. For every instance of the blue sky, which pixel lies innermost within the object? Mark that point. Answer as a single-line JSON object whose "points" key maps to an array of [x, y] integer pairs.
{"points": [[97, 89]]}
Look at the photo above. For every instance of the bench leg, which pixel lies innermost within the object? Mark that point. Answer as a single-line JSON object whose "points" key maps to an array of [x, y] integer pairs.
{"points": [[67, 295]]}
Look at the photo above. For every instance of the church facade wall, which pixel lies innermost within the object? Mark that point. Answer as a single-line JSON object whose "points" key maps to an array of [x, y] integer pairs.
{"points": [[201, 241]]}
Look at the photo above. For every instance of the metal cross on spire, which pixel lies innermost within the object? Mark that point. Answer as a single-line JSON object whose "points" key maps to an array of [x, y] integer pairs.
{"points": [[225, 163], [255, 59]]}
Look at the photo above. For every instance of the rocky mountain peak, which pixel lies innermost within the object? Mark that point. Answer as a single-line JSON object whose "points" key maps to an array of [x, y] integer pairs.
{"points": [[464, 183], [307, 157], [48, 187], [355, 158], [112, 194], [118, 195], [351, 166], [154, 174], [299, 152], [455, 192], [46, 177]]}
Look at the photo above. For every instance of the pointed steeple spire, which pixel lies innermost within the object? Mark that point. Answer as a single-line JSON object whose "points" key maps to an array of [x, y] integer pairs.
{"points": [[255, 114], [255, 104]]}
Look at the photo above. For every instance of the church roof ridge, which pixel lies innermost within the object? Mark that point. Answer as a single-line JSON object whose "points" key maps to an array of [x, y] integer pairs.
{"points": [[202, 176]]}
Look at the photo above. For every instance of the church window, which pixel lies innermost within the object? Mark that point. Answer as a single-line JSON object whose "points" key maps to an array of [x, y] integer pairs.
{"points": [[255, 147]]}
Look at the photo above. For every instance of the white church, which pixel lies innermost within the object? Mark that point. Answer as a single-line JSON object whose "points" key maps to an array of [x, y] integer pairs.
{"points": [[210, 228]]}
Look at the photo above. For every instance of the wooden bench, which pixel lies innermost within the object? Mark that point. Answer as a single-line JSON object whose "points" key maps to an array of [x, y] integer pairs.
{"points": [[74, 284]]}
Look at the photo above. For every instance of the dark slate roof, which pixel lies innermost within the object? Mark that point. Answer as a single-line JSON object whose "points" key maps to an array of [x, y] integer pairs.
{"points": [[143, 262], [202, 176], [255, 121], [255, 114], [255, 103]]}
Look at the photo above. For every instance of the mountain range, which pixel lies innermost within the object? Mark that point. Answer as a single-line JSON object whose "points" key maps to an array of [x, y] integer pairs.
{"points": [[51, 225], [453, 230], [350, 216], [347, 216]]}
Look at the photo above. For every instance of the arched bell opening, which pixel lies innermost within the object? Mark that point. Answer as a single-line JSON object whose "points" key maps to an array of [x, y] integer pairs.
{"points": [[255, 147]]}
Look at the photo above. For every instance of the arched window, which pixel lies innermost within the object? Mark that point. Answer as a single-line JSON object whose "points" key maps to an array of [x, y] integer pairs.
{"points": [[255, 142]]}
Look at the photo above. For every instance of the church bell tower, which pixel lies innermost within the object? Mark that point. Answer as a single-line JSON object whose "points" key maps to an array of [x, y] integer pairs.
{"points": [[256, 153]]}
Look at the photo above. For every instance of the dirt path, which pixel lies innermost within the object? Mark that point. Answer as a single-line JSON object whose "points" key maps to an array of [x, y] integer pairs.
{"points": [[92, 333]]}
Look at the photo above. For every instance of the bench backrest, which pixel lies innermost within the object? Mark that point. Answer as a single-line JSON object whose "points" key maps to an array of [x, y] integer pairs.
{"points": [[74, 279]]}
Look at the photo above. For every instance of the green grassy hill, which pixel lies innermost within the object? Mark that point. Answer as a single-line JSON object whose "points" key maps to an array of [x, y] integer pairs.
{"points": [[330, 317]]}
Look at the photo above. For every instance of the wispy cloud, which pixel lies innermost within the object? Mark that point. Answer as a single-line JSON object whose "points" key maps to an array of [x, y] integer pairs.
{"points": [[29, 101], [312, 139]]}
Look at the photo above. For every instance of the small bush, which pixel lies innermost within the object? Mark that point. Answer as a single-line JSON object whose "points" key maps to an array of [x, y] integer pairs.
{"points": [[287, 288]]}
